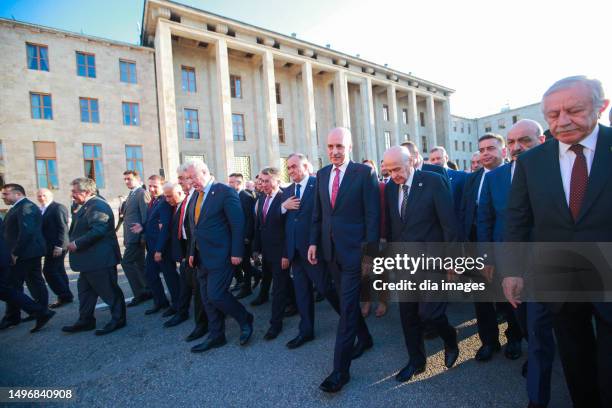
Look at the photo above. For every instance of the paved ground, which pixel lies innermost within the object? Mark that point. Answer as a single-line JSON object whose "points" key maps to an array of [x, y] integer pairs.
{"points": [[145, 364]]}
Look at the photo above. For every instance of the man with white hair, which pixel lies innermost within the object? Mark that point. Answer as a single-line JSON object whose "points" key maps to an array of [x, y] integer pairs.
{"points": [[561, 193]]}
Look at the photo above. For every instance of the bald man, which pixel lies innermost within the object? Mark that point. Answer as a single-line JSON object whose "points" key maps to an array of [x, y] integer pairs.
{"points": [[345, 220]]}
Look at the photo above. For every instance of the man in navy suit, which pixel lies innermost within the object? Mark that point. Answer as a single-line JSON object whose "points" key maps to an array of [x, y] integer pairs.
{"points": [[159, 254], [297, 206], [345, 221], [562, 192], [419, 208], [524, 135], [439, 157], [492, 149], [217, 225], [269, 241]]}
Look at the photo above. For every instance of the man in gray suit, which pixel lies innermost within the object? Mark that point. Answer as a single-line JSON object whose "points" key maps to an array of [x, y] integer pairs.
{"points": [[94, 252], [135, 212]]}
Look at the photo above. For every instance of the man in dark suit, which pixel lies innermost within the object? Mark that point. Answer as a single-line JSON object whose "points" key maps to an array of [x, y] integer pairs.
{"points": [[13, 296], [26, 245], [217, 224], [535, 319], [244, 272], [94, 252], [345, 220], [419, 163], [562, 192], [159, 255], [419, 208], [133, 262], [269, 241], [55, 231], [181, 236], [492, 149], [439, 157], [297, 206]]}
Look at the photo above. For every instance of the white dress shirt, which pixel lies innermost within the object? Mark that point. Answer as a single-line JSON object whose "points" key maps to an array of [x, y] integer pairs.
{"points": [[303, 185], [567, 158], [401, 191], [332, 175]]}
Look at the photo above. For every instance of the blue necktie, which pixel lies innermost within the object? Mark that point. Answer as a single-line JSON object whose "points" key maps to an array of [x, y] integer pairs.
{"points": [[297, 190]]}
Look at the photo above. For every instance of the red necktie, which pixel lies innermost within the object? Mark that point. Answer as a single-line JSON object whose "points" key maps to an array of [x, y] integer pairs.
{"points": [[578, 181], [182, 216], [266, 207], [335, 187]]}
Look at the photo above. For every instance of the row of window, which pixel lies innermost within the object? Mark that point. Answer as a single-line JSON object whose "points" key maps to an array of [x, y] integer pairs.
{"points": [[469, 127], [385, 112], [501, 123], [38, 59], [41, 107], [462, 146], [46, 163]]}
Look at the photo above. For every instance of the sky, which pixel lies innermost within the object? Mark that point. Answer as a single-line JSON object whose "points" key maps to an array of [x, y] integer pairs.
{"points": [[492, 53]]}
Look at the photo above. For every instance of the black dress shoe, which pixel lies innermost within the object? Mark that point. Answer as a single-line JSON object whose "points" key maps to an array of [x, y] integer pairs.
{"points": [[408, 372], [513, 350], [524, 369], [209, 344], [169, 312], [177, 319], [198, 332], [111, 327], [290, 310], [259, 301], [5, 324], [136, 300], [156, 309], [335, 382], [298, 341], [361, 347], [42, 320], [246, 331], [60, 303], [451, 353], [79, 327], [244, 293], [485, 352], [430, 332], [271, 334]]}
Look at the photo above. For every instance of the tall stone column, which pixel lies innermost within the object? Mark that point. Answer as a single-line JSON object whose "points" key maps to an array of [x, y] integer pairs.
{"points": [[392, 101], [308, 108], [167, 100], [271, 118], [369, 129], [224, 142], [431, 122], [413, 118], [446, 123], [341, 100]]}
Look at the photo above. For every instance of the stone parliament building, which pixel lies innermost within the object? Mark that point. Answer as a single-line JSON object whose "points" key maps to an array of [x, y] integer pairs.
{"points": [[199, 85]]}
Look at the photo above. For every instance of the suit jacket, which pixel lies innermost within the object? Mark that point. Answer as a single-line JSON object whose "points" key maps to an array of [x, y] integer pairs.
{"points": [[135, 212], [247, 202], [298, 222], [23, 230], [178, 245], [55, 226], [430, 216], [157, 225], [5, 255], [457, 183], [219, 232], [355, 218], [467, 214], [93, 231], [270, 234], [492, 205]]}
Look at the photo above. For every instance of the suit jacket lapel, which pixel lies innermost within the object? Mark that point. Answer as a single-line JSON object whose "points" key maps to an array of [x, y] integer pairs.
{"points": [[554, 181], [206, 203], [346, 182], [600, 171], [324, 183], [414, 193], [307, 190]]}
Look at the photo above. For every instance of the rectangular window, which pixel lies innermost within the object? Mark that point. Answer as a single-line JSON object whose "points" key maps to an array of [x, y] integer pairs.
{"points": [[133, 158], [188, 79], [424, 147], [487, 127], [236, 86], [471, 147], [405, 116], [462, 128], [469, 129], [131, 114], [464, 165], [387, 139], [422, 118], [38, 57], [281, 130], [501, 123], [192, 124], [454, 126], [463, 146], [385, 112], [284, 173], [92, 159], [456, 145], [46, 165], [242, 165], [127, 71], [86, 64], [40, 105], [238, 127], [278, 94], [515, 119], [89, 110]]}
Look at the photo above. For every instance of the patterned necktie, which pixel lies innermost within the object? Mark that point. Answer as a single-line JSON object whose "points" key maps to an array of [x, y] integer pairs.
{"points": [[404, 212], [182, 216], [335, 187], [198, 206], [266, 207], [297, 191], [578, 181]]}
